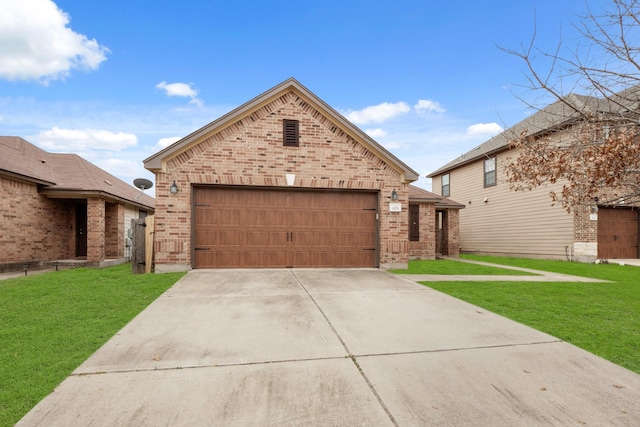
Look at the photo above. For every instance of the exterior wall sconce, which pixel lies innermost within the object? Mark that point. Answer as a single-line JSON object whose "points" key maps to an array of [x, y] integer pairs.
{"points": [[174, 188], [394, 195]]}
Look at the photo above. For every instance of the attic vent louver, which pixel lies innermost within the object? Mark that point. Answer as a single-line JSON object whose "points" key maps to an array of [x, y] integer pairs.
{"points": [[290, 132]]}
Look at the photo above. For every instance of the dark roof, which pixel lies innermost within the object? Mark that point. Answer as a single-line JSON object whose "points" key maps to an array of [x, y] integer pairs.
{"points": [[552, 117], [417, 194], [64, 175], [25, 160], [623, 105], [155, 162]]}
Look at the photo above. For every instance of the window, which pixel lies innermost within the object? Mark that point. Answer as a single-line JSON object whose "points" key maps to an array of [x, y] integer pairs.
{"points": [[290, 132], [445, 185], [490, 172], [414, 223]]}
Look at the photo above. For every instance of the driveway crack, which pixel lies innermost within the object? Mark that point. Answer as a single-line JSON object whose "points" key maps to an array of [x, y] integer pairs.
{"points": [[351, 355]]}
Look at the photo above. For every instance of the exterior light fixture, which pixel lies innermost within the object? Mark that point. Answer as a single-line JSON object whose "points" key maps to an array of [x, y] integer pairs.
{"points": [[394, 195], [173, 188]]}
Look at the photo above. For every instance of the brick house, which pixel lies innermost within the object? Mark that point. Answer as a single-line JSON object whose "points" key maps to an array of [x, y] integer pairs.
{"points": [[499, 221], [61, 207], [286, 181]]}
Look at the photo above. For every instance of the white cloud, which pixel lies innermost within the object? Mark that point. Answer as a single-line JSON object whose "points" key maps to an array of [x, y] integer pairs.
{"points": [[37, 44], [81, 140], [376, 133], [378, 113], [484, 129], [394, 145], [126, 170], [165, 142], [181, 89], [428, 106]]}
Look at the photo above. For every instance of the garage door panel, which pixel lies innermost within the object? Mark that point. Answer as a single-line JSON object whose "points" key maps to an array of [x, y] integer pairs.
{"points": [[243, 227]]}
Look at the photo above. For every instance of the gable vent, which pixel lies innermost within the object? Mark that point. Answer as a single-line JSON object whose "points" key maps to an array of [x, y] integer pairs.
{"points": [[291, 134]]}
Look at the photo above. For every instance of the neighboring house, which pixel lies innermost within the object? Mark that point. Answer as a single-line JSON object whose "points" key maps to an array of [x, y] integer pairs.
{"points": [[499, 221], [61, 207], [430, 213], [286, 181]]}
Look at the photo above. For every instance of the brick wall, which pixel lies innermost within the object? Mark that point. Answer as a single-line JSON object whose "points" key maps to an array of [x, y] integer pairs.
{"points": [[426, 247], [95, 229], [250, 152], [453, 233], [33, 228], [114, 230]]}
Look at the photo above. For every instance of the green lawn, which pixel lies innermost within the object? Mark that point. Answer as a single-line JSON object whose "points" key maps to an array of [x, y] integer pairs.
{"points": [[50, 323], [449, 267], [603, 318]]}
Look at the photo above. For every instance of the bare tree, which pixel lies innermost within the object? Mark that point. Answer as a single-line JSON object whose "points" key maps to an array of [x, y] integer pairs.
{"points": [[590, 137]]}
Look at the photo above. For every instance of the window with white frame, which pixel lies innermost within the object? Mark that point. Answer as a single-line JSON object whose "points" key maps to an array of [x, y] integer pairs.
{"points": [[444, 181], [490, 172]]}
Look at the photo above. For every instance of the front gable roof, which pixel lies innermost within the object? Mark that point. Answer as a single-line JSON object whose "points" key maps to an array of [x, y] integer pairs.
{"points": [[158, 161]]}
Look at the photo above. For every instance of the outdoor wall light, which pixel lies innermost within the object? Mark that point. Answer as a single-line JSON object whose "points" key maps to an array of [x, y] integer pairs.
{"points": [[394, 195], [173, 188]]}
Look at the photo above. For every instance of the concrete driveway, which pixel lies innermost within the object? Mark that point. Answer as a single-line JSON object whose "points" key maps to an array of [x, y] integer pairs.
{"points": [[333, 347]]}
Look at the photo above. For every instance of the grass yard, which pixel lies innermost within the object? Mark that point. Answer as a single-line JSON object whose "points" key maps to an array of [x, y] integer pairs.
{"points": [[449, 267], [50, 323], [603, 318]]}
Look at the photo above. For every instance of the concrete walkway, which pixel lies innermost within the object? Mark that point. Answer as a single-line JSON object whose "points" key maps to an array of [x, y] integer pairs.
{"points": [[333, 347], [539, 276]]}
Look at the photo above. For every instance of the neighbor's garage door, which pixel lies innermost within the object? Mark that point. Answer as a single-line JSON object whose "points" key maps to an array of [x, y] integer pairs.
{"points": [[617, 233], [254, 228]]}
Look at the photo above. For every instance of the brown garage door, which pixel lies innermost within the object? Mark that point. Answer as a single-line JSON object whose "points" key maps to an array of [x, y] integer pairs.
{"points": [[255, 228], [617, 233]]}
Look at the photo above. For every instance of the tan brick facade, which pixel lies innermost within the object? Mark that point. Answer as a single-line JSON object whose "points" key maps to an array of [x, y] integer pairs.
{"points": [[250, 152], [95, 229], [33, 228], [114, 230], [425, 248], [452, 232]]}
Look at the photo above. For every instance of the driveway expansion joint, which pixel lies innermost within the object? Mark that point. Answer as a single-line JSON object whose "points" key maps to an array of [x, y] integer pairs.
{"points": [[351, 356]]}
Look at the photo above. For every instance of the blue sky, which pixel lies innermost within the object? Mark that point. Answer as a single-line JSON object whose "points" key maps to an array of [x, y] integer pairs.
{"points": [[115, 81]]}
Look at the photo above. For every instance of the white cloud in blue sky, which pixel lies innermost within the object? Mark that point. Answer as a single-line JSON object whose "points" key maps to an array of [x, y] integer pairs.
{"points": [[81, 140], [165, 142], [428, 106], [376, 133], [378, 113], [37, 44], [181, 89], [484, 129]]}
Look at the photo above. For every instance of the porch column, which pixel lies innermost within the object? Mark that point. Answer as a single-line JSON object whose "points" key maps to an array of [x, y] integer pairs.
{"points": [[453, 232], [114, 230], [95, 229]]}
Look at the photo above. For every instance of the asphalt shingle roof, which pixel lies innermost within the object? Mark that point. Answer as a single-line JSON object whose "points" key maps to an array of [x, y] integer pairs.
{"points": [[64, 172], [417, 194]]}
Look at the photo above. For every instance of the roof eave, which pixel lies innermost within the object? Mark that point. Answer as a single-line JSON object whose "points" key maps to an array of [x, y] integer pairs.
{"points": [[25, 178], [66, 193]]}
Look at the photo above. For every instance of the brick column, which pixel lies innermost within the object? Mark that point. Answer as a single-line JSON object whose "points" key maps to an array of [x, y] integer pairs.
{"points": [[95, 229], [453, 232], [114, 230]]}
